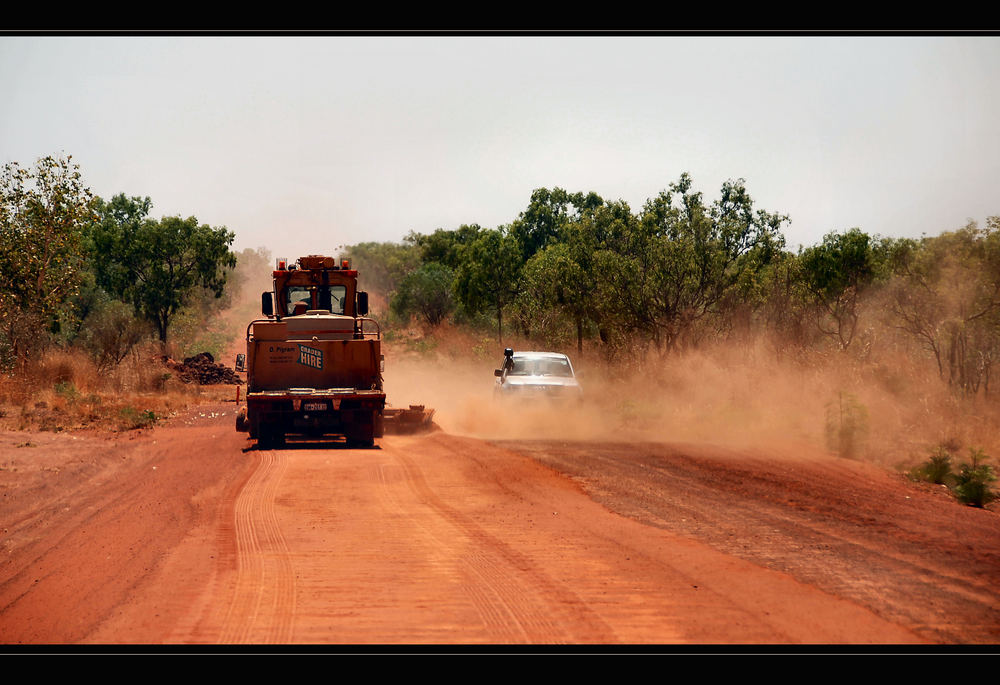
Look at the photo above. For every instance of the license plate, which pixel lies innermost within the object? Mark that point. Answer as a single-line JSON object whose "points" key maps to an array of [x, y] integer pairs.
{"points": [[314, 406]]}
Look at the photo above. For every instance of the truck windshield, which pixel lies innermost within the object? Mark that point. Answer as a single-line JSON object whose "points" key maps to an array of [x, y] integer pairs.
{"points": [[329, 297], [540, 367]]}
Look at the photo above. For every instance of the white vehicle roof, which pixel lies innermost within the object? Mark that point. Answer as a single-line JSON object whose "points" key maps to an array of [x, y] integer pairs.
{"points": [[541, 355]]}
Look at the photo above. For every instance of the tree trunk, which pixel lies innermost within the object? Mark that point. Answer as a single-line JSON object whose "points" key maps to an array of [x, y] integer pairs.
{"points": [[161, 327]]}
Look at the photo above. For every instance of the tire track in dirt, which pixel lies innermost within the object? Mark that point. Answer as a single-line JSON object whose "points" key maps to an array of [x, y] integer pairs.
{"points": [[493, 590], [516, 602], [262, 607], [844, 527], [853, 560], [491, 596]]}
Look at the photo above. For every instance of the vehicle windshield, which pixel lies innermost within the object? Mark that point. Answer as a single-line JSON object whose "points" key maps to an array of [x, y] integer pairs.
{"points": [[301, 293], [527, 366]]}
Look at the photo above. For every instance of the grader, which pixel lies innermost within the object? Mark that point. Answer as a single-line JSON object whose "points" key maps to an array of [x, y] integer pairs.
{"points": [[314, 364]]}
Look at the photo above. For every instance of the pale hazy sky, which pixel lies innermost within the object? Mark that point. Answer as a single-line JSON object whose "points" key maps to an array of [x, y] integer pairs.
{"points": [[302, 144]]}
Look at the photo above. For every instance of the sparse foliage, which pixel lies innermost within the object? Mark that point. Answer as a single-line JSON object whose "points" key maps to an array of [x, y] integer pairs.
{"points": [[158, 265], [426, 292], [42, 215], [937, 469], [973, 481], [112, 331], [383, 265], [946, 295], [489, 276], [846, 425], [837, 273]]}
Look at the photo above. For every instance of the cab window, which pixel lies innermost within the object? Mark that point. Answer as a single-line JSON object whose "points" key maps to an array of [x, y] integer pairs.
{"points": [[331, 297]]}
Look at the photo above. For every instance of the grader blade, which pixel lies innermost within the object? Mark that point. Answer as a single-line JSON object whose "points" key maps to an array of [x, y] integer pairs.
{"points": [[414, 419]]}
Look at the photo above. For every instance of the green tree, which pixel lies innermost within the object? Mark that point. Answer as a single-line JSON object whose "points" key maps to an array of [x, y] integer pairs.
{"points": [[783, 305], [548, 212], [158, 265], [555, 285], [382, 266], [489, 273], [837, 273], [973, 483], [43, 212], [946, 294], [111, 237], [445, 246], [678, 261], [426, 292]]}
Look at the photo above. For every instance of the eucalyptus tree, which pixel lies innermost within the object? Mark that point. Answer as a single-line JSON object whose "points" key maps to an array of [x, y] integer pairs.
{"points": [[43, 212], [158, 265]]}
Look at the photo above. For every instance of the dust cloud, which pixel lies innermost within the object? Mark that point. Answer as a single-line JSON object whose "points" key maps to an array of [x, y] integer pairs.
{"points": [[694, 399], [752, 395], [742, 398], [253, 276]]}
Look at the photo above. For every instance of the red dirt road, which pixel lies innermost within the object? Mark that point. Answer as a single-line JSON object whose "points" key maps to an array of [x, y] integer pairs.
{"points": [[184, 534]]}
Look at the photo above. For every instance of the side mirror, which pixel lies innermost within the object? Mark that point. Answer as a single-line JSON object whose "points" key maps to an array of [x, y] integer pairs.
{"points": [[362, 303], [241, 362], [266, 304]]}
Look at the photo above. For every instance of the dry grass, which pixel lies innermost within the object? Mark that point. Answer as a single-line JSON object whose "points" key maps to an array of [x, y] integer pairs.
{"points": [[63, 390]]}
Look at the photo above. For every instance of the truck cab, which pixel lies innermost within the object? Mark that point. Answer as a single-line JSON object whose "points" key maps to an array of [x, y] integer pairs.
{"points": [[316, 284]]}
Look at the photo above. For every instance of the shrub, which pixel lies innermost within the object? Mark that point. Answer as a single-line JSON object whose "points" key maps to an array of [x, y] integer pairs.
{"points": [[972, 484], [111, 332], [68, 390], [426, 292], [846, 425], [132, 418], [937, 469], [424, 346]]}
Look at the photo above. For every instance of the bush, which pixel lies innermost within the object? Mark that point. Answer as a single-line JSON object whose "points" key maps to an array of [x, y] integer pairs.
{"points": [[132, 418], [111, 332], [937, 469], [846, 425], [426, 292], [195, 330], [68, 390], [972, 484]]}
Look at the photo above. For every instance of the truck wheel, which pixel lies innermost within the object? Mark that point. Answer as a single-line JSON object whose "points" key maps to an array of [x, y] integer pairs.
{"points": [[242, 425]]}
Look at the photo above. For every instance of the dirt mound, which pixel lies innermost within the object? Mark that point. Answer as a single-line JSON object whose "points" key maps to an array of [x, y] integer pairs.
{"points": [[202, 369]]}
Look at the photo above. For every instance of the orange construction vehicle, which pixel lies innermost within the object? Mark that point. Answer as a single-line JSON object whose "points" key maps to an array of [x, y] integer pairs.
{"points": [[314, 365]]}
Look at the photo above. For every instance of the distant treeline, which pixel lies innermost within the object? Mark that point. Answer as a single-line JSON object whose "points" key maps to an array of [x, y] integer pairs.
{"points": [[571, 270], [574, 269]]}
